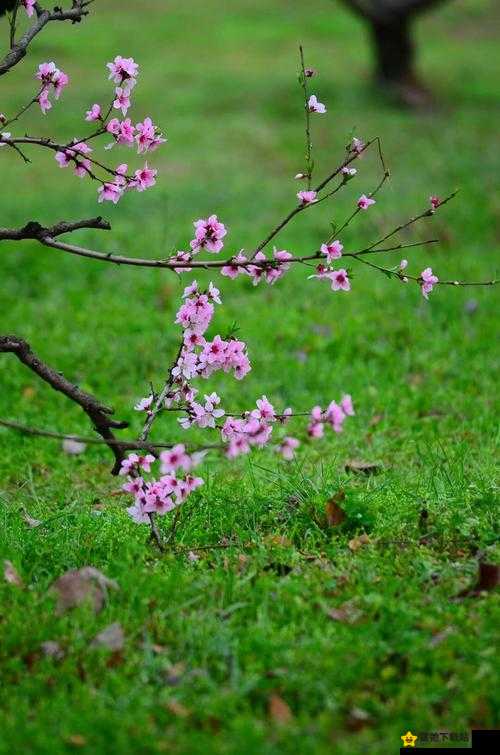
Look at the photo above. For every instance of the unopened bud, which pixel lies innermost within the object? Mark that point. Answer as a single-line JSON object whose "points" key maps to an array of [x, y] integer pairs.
{"points": [[309, 72], [300, 176]]}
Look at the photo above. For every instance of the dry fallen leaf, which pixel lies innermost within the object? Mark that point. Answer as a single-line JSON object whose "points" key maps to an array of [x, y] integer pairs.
{"points": [[73, 447], [357, 542], [77, 740], [347, 613], [111, 638], [30, 521], [178, 709], [10, 574], [52, 649], [362, 467], [279, 710], [79, 585], [489, 576], [335, 514], [280, 540], [175, 674]]}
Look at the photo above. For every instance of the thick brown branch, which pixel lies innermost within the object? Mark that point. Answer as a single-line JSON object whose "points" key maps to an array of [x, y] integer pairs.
{"points": [[34, 230], [19, 48], [98, 413]]}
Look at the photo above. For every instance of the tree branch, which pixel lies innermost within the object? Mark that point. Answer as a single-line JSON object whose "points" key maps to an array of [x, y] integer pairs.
{"points": [[18, 49], [97, 412]]}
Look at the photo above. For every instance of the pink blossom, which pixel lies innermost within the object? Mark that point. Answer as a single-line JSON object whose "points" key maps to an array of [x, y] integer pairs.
{"points": [[340, 280], [135, 461], [315, 428], [214, 293], [335, 415], [265, 410], [206, 416], [365, 202], [332, 250], [287, 447], [145, 178], [175, 458], [94, 113], [428, 279], [110, 192], [348, 172], [59, 80], [435, 202], [73, 154], [357, 145], [284, 418], [314, 106], [43, 100], [122, 100], [403, 264], [148, 137], [123, 70], [144, 404], [233, 269], [208, 234], [29, 6], [307, 197], [347, 405], [257, 272], [137, 513], [276, 271]]}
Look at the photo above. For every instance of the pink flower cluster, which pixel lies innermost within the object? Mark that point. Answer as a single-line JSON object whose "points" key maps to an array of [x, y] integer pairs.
{"points": [[208, 235], [269, 270], [339, 278], [29, 6], [160, 496], [76, 155], [51, 77], [334, 415], [200, 357], [145, 135]]}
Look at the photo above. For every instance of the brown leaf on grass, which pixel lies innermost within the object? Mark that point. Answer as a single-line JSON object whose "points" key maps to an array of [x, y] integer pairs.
{"points": [[76, 740], [359, 541], [358, 466], [52, 649], [73, 447], [80, 585], [11, 575], [28, 392], [178, 709], [30, 521], [376, 420], [489, 576], [111, 638], [347, 613], [175, 674], [279, 710], [487, 579], [335, 514], [357, 719], [279, 540]]}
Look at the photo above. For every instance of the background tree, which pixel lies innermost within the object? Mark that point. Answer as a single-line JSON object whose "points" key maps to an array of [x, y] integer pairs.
{"points": [[390, 24]]}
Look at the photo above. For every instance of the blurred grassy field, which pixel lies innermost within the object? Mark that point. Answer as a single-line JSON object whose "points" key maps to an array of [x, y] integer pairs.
{"points": [[220, 78]]}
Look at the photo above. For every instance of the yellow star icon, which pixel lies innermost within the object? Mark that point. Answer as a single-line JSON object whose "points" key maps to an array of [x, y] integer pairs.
{"points": [[409, 739]]}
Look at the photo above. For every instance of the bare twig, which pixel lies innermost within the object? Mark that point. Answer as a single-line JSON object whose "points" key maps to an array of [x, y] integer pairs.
{"points": [[98, 413], [125, 445], [43, 17]]}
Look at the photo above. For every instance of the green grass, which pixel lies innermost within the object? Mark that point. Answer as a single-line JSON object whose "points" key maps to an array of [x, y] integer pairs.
{"points": [[247, 628]]}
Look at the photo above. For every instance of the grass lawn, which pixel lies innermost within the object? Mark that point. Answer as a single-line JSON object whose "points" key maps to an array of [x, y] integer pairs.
{"points": [[291, 641]]}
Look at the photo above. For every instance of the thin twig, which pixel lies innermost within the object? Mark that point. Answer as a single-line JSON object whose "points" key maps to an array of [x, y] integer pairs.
{"points": [[97, 412]]}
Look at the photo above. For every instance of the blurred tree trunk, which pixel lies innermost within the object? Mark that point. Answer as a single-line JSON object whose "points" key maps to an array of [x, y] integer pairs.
{"points": [[390, 24]]}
